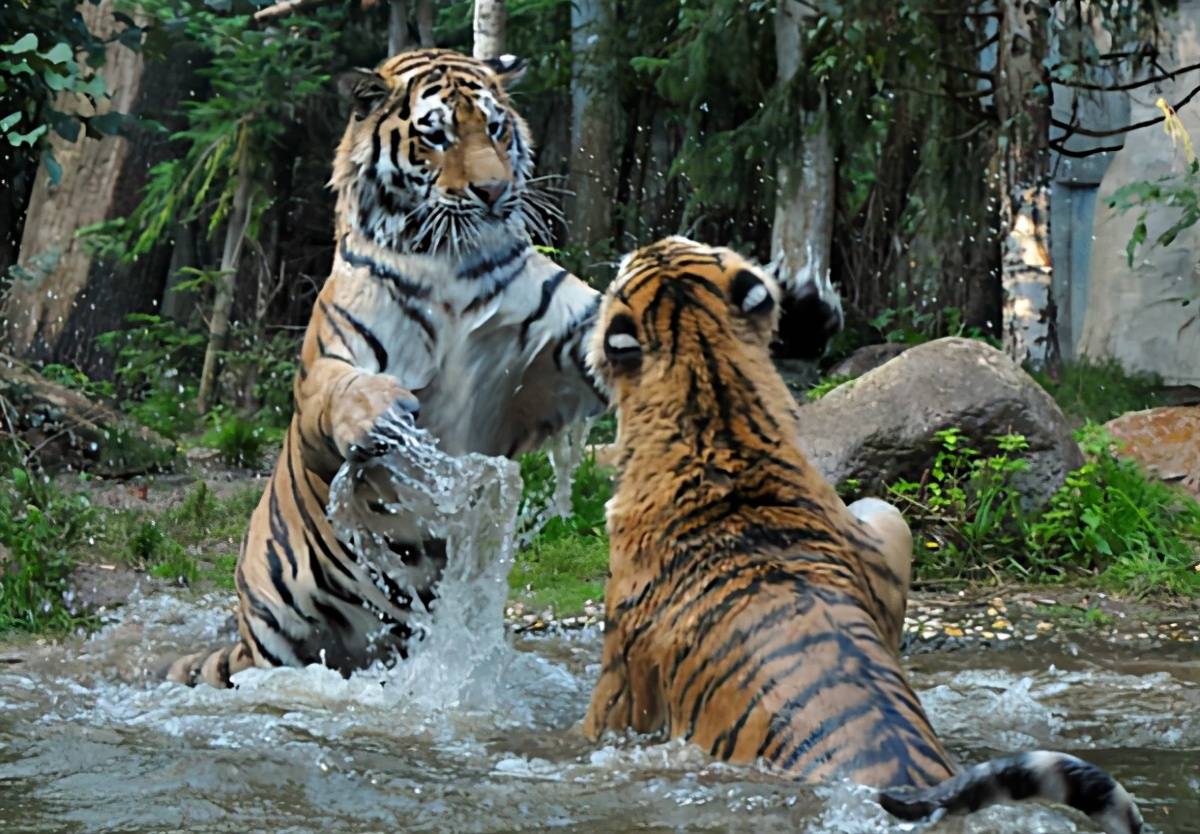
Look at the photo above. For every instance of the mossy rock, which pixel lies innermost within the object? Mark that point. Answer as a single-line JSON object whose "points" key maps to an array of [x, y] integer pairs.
{"points": [[68, 431]]}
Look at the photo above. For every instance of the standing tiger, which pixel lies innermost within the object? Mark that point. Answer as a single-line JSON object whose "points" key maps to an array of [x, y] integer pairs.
{"points": [[748, 609], [437, 305]]}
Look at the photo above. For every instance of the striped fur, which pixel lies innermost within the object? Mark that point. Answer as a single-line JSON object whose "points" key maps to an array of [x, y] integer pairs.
{"points": [[748, 609], [438, 309]]}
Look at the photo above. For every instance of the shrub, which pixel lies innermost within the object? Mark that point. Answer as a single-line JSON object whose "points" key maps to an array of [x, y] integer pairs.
{"points": [[1100, 390], [1108, 520], [39, 526]]}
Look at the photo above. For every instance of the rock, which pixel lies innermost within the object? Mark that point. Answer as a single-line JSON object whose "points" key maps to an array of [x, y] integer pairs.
{"points": [[880, 427], [1164, 440], [70, 431], [867, 358]]}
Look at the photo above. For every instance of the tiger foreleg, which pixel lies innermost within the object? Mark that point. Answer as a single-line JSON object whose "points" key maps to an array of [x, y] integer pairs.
{"points": [[345, 404], [896, 546]]}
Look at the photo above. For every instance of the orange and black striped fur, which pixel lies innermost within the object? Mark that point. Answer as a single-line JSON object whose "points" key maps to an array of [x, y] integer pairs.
{"points": [[438, 305], [748, 609]]}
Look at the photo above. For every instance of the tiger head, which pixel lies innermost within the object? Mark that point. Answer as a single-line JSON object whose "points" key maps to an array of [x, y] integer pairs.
{"points": [[681, 316], [434, 157]]}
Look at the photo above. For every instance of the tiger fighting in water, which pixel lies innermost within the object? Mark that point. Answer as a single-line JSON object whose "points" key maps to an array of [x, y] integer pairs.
{"points": [[748, 609], [438, 308]]}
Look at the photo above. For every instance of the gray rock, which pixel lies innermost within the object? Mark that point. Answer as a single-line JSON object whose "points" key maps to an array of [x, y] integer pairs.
{"points": [[867, 358], [880, 427]]}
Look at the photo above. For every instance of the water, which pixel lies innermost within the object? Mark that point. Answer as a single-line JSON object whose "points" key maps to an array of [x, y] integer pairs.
{"points": [[478, 733]]}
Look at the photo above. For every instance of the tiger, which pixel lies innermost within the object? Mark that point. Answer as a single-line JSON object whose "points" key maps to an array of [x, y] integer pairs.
{"points": [[748, 609], [438, 310]]}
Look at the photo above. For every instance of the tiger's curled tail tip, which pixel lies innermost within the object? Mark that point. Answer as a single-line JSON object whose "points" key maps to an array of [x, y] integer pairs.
{"points": [[1057, 777]]}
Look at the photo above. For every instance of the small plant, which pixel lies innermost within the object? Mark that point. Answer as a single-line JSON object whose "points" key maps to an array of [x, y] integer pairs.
{"points": [[157, 362], [966, 509], [40, 526], [241, 442], [825, 386], [1110, 519], [567, 562], [1100, 390]]}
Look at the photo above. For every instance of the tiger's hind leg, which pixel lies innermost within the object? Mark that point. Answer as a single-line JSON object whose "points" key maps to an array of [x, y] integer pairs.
{"points": [[896, 546], [212, 668]]}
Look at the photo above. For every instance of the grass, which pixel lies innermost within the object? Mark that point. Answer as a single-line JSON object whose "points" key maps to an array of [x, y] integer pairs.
{"points": [[195, 540], [1109, 524], [1099, 390], [41, 528], [566, 564]]}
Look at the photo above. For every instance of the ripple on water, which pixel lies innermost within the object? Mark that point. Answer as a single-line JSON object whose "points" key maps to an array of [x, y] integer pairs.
{"points": [[473, 734]]}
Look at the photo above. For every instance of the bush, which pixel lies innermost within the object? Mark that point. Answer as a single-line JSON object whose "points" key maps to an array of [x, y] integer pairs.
{"points": [[1108, 520], [566, 563], [240, 442], [40, 525]]}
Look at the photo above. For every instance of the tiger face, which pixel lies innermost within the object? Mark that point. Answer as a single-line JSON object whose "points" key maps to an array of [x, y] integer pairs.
{"points": [[676, 300], [434, 156]]}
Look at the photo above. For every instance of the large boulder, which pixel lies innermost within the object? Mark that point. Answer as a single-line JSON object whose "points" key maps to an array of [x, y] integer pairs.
{"points": [[880, 427], [1164, 440], [867, 358], [66, 430]]}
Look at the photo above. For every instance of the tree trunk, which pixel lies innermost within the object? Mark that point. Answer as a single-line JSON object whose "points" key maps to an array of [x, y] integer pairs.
{"points": [[490, 17], [1022, 93], [235, 235], [53, 262], [397, 26], [804, 198], [593, 117], [425, 22]]}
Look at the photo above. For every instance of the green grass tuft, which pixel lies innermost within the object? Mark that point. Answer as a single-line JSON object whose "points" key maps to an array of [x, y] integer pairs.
{"points": [[1098, 391]]}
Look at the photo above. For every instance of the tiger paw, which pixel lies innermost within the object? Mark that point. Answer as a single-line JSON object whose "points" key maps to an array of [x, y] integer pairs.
{"points": [[367, 418], [811, 315], [389, 432]]}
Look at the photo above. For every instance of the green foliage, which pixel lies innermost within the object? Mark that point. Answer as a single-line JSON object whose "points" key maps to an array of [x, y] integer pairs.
{"points": [[1139, 534], [259, 78], [197, 538], [1099, 390], [966, 509], [1178, 192], [41, 526], [261, 371], [157, 361], [241, 442], [825, 386], [1108, 520], [567, 562], [52, 52]]}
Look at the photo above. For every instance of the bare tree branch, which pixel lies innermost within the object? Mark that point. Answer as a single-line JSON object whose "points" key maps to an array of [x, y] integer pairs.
{"points": [[1132, 85], [284, 7], [1100, 134]]}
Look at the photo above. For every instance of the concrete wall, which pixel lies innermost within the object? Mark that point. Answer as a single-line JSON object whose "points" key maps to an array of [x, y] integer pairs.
{"points": [[1136, 314]]}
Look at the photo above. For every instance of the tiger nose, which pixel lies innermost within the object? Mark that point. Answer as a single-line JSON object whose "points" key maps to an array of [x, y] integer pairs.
{"points": [[490, 192]]}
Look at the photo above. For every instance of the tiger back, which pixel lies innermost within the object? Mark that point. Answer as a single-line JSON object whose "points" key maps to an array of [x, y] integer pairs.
{"points": [[748, 609]]}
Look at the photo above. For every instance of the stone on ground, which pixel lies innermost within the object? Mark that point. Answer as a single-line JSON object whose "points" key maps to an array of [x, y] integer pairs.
{"points": [[880, 428], [1166, 441]]}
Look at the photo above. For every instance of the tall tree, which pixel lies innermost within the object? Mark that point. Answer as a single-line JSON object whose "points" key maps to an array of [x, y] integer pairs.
{"points": [[803, 228], [593, 118], [397, 26], [488, 27], [1021, 86]]}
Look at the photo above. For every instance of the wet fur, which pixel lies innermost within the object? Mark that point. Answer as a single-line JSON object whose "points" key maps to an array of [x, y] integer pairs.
{"points": [[748, 609], [437, 305]]}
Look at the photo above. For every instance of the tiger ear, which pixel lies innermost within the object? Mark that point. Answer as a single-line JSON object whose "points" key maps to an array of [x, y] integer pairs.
{"points": [[622, 349], [508, 68], [365, 89]]}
